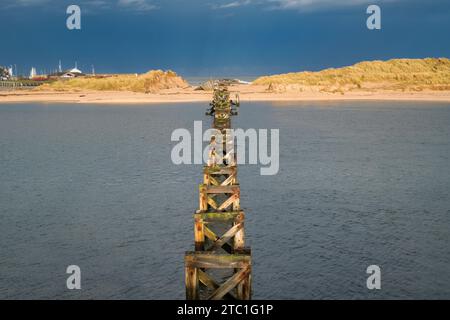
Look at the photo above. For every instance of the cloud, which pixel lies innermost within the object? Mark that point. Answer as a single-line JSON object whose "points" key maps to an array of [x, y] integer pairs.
{"points": [[99, 3], [147, 5], [87, 6], [300, 5], [25, 3], [233, 4], [309, 5], [49, 3], [137, 5]]}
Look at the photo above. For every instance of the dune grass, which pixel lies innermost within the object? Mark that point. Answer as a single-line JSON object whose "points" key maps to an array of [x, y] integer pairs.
{"points": [[150, 82], [396, 74]]}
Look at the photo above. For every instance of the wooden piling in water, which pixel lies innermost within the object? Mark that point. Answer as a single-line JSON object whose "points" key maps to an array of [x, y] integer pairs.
{"points": [[219, 206]]}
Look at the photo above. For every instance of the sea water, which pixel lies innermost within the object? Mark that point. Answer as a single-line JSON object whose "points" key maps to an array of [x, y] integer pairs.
{"points": [[360, 183]]}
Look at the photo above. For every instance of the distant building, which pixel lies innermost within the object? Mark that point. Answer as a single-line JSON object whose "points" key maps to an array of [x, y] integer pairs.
{"points": [[4, 74], [68, 74], [76, 71], [72, 73]]}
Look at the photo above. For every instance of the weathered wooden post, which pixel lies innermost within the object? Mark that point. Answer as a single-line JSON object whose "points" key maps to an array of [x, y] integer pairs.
{"points": [[192, 292], [219, 205], [199, 234]]}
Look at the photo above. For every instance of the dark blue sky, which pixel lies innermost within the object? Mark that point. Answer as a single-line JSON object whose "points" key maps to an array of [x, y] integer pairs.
{"points": [[219, 37]]}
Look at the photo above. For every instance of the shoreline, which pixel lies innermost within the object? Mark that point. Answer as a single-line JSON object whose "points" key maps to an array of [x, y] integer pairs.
{"points": [[247, 93]]}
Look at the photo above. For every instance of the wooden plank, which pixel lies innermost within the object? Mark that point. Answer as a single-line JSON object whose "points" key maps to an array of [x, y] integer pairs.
{"points": [[237, 203], [226, 237], [218, 216], [213, 181], [191, 279], [220, 170], [212, 203], [221, 189], [199, 235], [210, 234], [239, 237], [229, 202], [203, 198], [209, 282], [229, 181], [230, 284], [206, 178], [217, 261], [244, 288], [213, 237], [229, 155], [246, 293]]}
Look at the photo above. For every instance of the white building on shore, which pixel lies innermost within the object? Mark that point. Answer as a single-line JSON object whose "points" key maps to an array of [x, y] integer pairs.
{"points": [[72, 73]]}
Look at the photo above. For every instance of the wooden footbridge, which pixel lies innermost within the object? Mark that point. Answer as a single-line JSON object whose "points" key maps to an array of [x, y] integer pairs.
{"points": [[220, 251]]}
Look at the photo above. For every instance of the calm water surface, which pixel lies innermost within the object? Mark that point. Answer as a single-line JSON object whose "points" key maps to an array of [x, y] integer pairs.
{"points": [[360, 183]]}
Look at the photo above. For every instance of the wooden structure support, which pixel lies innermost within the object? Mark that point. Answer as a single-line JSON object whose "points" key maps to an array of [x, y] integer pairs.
{"points": [[239, 282], [219, 235]]}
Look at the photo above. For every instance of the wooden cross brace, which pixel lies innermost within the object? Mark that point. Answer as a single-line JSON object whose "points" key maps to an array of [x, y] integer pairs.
{"points": [[233, 240], [197, 264], [208, 192], [220, 176], [223, 180]]}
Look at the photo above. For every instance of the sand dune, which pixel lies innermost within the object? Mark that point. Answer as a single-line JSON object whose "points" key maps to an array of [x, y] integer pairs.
{"points": [[397, 79]]}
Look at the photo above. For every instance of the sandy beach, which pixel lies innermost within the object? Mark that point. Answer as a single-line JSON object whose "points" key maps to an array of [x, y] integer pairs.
{"points": [[247, 93]]}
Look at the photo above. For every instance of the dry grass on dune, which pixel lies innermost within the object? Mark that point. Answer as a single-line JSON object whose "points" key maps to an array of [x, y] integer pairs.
{"points": [[150, 82], [396, 74]]}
